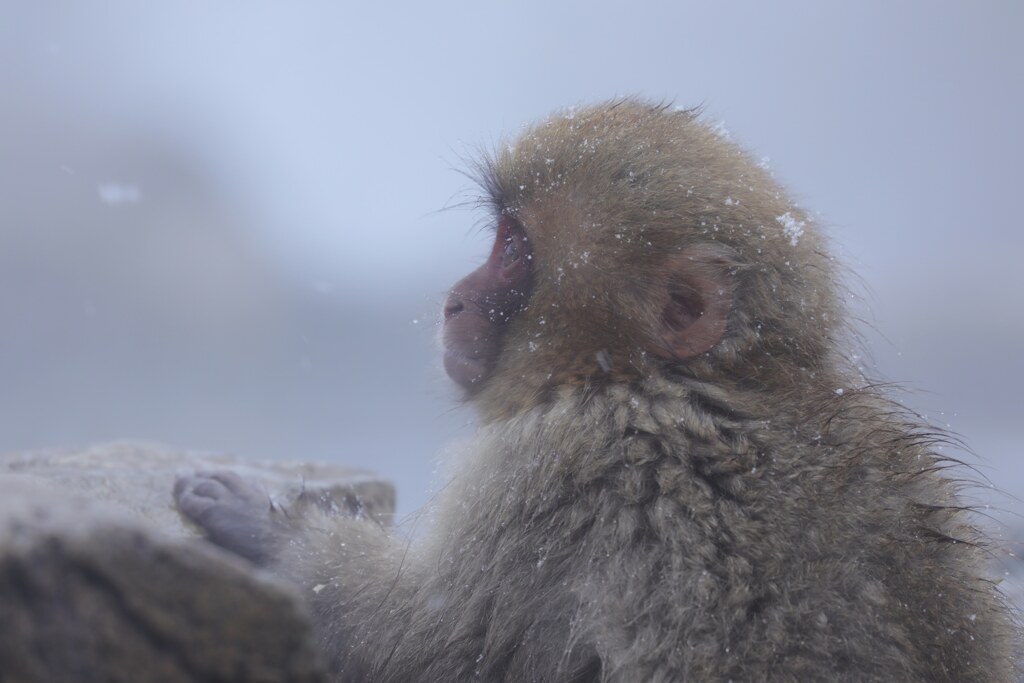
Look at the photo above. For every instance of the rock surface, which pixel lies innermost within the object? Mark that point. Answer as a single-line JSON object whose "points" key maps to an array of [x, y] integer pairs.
{"points": [[138, 478], [100, 580]]}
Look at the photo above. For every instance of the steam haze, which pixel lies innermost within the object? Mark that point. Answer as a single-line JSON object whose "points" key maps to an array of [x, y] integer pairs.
{"points": [[230, 226]]}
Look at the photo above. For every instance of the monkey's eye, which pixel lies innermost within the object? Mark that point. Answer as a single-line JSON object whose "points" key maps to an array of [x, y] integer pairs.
{"points": [[511, 252]]}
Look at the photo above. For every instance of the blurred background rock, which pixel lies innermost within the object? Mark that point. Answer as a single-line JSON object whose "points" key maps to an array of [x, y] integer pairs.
{"points": [[220, 224]]}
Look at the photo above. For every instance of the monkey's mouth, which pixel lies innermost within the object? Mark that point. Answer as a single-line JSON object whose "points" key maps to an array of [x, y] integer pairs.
{"points": [[465, 370]]}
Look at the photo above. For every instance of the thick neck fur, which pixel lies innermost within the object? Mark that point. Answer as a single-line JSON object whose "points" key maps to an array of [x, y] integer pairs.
{"points": [[619, 437], [679, 493]]}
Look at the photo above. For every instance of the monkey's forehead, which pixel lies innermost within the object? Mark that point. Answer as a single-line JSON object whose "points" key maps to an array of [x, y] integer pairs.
{"points": [[612, 143], [624, 156], [630, 169]]}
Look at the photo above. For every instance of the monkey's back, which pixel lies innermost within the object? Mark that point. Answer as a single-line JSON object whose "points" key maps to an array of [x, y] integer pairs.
{"points": [[699, 542]]}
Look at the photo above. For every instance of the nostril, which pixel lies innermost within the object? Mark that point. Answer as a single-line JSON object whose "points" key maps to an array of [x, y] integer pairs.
{"points": [[452, 307]]}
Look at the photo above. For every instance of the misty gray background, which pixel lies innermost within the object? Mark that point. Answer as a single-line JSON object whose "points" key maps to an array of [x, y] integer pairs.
{"points": [[221, 224]]}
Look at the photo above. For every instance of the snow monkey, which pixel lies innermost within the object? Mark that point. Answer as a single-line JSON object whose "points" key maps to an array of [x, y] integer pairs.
{"points": [[677, 476]]}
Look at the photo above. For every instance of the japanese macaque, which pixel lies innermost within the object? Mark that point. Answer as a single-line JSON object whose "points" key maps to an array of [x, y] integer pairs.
{"points": [[678, 476]]}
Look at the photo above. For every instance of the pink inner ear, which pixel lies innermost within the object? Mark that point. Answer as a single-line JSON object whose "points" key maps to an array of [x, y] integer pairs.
{"points": [[697, 290]]}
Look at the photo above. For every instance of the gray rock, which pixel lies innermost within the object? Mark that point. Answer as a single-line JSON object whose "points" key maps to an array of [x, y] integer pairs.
{"points": [[101, 581]]}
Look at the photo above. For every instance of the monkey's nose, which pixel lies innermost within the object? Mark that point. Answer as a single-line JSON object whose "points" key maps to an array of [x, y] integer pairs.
{"points": [[452, 306]]}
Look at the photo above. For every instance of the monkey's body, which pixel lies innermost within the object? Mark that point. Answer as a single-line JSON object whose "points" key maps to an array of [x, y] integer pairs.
{"points": [[677, 478], [695, 542]]}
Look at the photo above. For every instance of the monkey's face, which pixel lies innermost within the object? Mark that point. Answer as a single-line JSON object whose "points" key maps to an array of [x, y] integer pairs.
{"points": [[480, 307], [560, 302], [588, 275], [629, 237]]}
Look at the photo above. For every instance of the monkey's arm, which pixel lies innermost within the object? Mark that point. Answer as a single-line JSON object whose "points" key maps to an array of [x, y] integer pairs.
{"points": [[353, 573], [234, 514]]}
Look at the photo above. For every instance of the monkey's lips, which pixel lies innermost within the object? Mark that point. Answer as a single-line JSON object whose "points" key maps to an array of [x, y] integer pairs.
{"points": [[467, 371]]}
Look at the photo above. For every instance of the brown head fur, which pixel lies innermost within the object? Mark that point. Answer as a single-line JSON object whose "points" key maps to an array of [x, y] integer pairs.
{"points": [[610, 193]]}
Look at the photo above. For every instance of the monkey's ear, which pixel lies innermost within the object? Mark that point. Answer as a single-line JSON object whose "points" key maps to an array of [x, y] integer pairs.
{"points": [[695, 294]]}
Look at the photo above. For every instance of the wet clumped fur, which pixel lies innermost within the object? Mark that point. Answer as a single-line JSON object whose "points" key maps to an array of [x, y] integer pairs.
{"points": [[677, 476]]}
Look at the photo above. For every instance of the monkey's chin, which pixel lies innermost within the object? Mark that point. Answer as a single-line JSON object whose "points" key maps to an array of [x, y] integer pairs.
{"points": [[469, 373]]}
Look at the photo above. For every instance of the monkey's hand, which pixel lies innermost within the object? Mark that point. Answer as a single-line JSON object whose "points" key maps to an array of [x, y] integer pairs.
{"points": [[234, 514]]}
